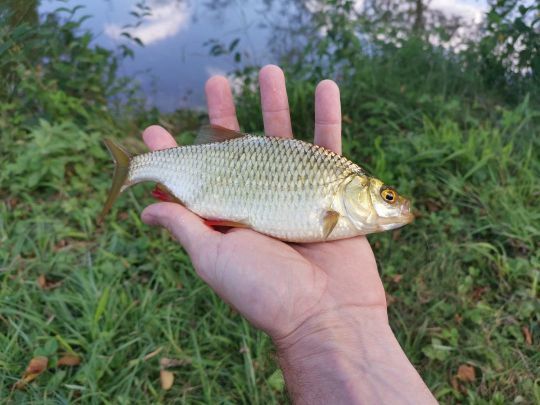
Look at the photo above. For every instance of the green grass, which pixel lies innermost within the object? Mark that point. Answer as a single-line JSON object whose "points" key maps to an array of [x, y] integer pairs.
{"points": [[114, 305], [463, 279]]}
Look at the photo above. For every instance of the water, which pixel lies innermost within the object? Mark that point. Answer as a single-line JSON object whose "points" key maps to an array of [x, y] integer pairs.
{"points": [[174, 63]]}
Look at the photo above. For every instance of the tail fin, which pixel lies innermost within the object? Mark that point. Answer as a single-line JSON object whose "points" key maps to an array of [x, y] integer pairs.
{"points": [[122, 160]]}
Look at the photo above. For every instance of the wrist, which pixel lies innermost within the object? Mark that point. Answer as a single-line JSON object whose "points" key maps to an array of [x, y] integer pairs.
{"points": [[334, 331], [331, 352], [348, 356]]}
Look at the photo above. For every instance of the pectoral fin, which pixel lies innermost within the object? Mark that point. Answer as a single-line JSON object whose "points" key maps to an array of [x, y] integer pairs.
{"points": [[330, 220]]}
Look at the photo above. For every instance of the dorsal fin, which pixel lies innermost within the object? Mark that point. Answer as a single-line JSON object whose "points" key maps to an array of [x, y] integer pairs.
{"points": [[215, 133]]}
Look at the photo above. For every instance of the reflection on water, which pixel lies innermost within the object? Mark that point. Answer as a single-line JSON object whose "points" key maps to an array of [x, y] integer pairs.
{"points": [[174, 63], [159, 22]]}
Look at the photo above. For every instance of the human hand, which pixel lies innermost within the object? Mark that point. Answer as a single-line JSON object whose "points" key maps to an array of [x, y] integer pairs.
{"points": [[323, 304], [275, 285]]}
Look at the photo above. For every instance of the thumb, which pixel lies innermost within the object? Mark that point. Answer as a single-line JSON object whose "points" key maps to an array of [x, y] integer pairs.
{"points": [[199, 240]]}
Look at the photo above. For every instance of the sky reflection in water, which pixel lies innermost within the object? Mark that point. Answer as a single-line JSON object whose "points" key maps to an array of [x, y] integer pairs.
{"points": [[174, 64]]}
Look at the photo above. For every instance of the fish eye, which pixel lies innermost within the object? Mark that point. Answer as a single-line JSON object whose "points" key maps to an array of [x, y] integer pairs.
{"points": [[389, 195]]}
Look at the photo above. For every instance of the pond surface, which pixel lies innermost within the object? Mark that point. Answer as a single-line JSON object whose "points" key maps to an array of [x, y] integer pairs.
{"points": [[174, 62]]}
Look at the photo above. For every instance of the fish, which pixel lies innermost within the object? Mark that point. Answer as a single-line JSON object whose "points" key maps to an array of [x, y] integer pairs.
{"points": [[285, 188]]}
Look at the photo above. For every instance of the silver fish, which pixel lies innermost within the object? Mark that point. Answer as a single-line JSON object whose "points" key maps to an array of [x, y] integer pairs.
{"points": [[285, 188]]}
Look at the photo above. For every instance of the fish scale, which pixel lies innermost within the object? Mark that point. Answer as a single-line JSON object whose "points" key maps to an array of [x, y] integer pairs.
{"points": [[289, 189], [280, 187]]}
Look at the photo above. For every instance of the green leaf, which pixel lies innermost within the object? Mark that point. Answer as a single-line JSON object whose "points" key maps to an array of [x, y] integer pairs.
{"points": [[234, 44], [102, 305], [48, 349], [276, 380]]}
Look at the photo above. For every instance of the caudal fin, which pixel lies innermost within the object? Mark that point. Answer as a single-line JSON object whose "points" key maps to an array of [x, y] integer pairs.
{"points": [[122, 160]]}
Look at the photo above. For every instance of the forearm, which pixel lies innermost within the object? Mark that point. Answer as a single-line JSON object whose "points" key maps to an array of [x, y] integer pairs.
{"points": [[351, 359]]}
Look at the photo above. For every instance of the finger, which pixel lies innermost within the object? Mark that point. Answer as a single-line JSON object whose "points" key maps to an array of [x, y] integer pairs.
{"points": [[220, 103], [328, 116], [199, 240], [157, 138], [274, 102]]}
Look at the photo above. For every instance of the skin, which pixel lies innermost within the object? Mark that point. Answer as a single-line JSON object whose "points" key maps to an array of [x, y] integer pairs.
{"points": [[323, 304]]}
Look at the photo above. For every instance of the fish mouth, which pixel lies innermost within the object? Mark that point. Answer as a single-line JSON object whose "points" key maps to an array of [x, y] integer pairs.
{"points": [[399, 221], [407, 219], [406, 215]]}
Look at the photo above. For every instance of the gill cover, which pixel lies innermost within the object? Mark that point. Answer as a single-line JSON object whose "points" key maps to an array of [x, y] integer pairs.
{"points": [[357, 201]]}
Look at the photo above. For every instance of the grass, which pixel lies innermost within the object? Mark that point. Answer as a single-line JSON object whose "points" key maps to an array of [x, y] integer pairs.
{"points": [[113, 306], [462, 280]]}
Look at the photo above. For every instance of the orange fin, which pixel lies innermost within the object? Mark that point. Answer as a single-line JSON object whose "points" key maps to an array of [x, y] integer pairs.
{"points": [[215, 133], [162, 193], [221, 222]]}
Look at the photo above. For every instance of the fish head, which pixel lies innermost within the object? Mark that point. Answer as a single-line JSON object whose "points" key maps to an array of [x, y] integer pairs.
{"points": [[373, 206]]}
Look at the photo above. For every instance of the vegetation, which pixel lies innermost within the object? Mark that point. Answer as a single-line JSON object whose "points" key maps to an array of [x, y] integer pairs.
{"points": [[457, 131]]}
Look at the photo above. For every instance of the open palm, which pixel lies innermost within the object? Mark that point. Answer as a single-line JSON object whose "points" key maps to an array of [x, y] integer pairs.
{"points": [[277, 286]]}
